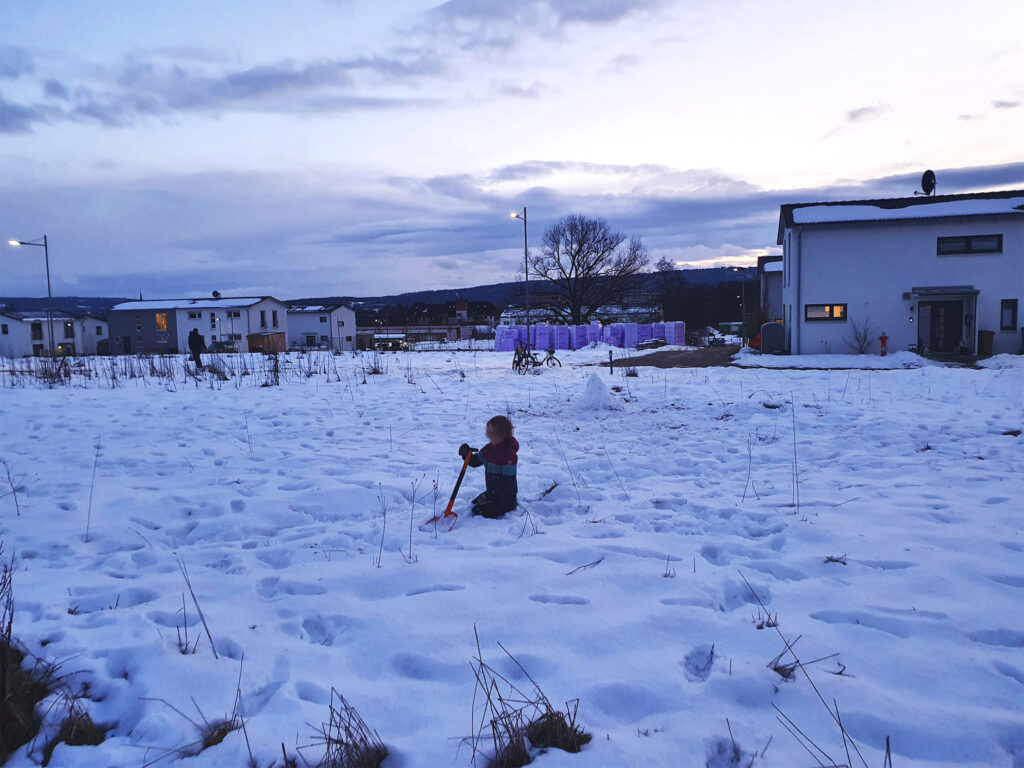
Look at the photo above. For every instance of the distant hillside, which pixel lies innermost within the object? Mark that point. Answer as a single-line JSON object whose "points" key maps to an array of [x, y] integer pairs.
{"points": [[83, 305], [499, 293]]}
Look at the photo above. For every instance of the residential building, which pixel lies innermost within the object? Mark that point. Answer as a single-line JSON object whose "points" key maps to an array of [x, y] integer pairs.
{"points": [[331, 326], [937, 274], [769, 273], [163, 325], [25, 333]]}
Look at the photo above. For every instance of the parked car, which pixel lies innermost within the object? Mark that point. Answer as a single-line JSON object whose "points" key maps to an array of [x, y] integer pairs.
{"points": [[223, 347]]}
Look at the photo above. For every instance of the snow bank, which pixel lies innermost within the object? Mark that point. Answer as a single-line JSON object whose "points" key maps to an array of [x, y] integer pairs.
{"points": [[748, 358], [1003, 362]]}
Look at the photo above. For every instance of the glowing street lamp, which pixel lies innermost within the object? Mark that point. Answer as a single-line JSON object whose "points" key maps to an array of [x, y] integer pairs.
{"points": [[49, 292]]}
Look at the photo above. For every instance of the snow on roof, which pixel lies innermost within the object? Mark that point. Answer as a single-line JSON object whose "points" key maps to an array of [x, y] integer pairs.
{"points": [[314, 307], [222, 303], [817, 214], [772, 266], [1005, 202]]}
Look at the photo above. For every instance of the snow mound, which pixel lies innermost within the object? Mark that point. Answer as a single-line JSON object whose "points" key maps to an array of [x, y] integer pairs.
{"points": [[596, 397], [1003, 362], [748, 358]]}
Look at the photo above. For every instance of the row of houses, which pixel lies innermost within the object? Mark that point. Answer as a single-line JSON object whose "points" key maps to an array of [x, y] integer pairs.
{"points": [[245, 324]]}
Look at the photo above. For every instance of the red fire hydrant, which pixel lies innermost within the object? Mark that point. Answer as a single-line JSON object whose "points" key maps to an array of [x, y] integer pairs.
{"points": [[884, 339]]}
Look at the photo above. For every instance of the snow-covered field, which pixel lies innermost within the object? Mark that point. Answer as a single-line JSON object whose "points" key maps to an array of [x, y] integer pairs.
{"points": [[269, 496]]}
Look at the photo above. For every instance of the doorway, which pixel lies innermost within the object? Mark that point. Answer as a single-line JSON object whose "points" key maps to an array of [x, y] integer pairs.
{"points": [[941, 326]]}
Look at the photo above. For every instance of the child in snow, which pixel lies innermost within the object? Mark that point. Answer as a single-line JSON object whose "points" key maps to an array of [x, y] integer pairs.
{"points": [[499, 460]]}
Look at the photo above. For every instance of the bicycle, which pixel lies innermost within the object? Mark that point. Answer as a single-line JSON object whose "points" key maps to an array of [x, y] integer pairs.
{"points": [[524, 360]]}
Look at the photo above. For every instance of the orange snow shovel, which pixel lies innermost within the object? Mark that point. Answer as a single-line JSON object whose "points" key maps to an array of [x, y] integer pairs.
{"points": [[449, 511]]}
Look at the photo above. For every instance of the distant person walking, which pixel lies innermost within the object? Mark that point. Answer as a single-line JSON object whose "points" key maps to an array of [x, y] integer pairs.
{"points": [[196, 345]]}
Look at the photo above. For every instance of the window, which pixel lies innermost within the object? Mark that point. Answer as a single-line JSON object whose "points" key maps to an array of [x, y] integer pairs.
{"points": [[274, 316], [323, 318], [969, 244], [825, 312], [263, 318], [323, 338], [3, 329], [213, 320], [195, 315], [341, 323], [69, 330], [234, 313], [138, 322], [37, 331], [1008, 315], [161, 321], [99, 330], [348, 338], [311, 340]]}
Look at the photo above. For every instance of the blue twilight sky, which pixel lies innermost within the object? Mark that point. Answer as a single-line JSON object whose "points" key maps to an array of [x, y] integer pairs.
{"points": [[374, 146]]}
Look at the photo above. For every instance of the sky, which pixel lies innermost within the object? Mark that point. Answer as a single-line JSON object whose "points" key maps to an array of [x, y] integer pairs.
{"points": [[360, 147]]}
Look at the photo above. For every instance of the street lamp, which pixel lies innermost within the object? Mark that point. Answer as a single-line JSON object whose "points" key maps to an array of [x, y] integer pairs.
{"points": [[526, 268], [49, 293]]}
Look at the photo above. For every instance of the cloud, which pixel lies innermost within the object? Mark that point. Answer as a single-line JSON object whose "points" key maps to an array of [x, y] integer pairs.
{"points": [[862, 114], [19, 118], [148, 87], [370, 237], [516, 91], [54, 88], [498, 23], [15, 62], [1005, 104]]}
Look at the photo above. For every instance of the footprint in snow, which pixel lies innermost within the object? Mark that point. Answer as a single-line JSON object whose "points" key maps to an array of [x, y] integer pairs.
{"points": [[697, 663], [560, 599], [273, 587]]}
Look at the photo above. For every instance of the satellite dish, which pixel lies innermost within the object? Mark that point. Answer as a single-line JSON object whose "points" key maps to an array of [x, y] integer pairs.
{"points": [[216, 294], [928, 182]]}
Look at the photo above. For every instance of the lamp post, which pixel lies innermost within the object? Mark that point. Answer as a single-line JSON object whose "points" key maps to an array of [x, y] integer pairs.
{"points": [[526, 268], [49, 292]]}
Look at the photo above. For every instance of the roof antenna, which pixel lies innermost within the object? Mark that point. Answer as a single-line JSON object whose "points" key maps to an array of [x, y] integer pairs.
{"points": [[927, 183]]}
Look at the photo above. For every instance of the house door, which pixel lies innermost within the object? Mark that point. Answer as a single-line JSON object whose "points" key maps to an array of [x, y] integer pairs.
{"points": [[127, 345], [941, 326]]}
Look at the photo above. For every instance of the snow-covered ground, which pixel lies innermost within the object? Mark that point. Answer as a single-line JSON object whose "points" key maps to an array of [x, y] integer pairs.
{"points": [[269, 496]]}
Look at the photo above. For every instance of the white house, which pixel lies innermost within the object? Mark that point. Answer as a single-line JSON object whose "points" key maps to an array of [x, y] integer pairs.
{"points": [[769, 270], [322, 325], [163, 325], [25, 333], [936, 274]]}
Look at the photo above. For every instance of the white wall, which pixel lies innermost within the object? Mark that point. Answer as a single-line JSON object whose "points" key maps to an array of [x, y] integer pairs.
{"points": [[339, 327], [869, 266], [17, 341], [269, 306]]}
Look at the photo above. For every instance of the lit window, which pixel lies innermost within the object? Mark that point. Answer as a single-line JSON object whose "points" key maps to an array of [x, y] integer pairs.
{"points": [[161, 321], [824, 312], [969, 244]]}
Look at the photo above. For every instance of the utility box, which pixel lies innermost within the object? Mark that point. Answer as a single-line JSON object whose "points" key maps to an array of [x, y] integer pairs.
{"points": [[773, 338], [986, 343]]}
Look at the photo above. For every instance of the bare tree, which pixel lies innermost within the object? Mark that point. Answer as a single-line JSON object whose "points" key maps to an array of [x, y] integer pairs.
{"points": [[584, 264], [861, 337]]}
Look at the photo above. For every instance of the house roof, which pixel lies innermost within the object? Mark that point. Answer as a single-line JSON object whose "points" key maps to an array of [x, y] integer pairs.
{"points": [[37, 316], [315, 308], [772, 266], [902, 208], [221, 303]]}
